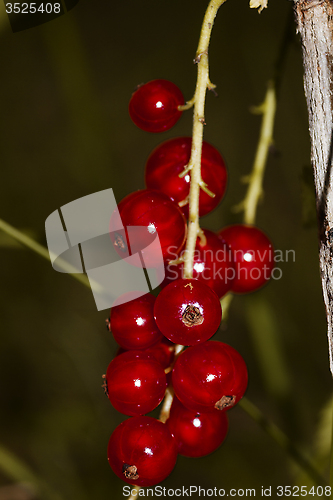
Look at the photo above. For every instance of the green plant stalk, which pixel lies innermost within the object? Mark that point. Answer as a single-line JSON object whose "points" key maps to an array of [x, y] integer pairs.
{"points": [[255, 189], [41, 250], [282, 440], [255, 179], [194, 165], [197, 134], [14, 468]]}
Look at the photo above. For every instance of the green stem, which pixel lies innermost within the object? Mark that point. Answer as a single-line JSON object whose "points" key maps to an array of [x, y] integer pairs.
{"points": [[255, 190], [14, 468], [40, 250], [282, 440], [194, 164]]}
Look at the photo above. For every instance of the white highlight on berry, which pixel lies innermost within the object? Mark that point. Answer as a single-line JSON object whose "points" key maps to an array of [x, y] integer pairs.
{"points": [[151, 228], [199, 267], [210, 377], [140, 321], [148, 451], [159, 104], [248, 257], [137, 382], [196, 422]]}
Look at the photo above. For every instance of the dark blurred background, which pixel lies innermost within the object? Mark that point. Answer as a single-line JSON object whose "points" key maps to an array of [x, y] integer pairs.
{"points": [[66, 133]]}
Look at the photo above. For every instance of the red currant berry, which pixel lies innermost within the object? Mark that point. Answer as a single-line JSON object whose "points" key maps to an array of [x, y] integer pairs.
{"points": [[169, 159], [213, 265], [163, 352], [154, 211], [154, 106], [209, 377], [187, 311], [197, 434], [142, 451], [135, 383], [132, 322], [253, 254]]}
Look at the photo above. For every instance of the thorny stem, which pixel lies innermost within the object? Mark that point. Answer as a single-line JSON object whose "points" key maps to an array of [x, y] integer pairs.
{"points": [[197, 133], [255, 180], [255, 189], [194, 165]]}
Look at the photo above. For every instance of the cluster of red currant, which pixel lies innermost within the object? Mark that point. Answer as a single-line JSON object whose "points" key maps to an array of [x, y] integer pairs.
{"points": [[209, 377]]}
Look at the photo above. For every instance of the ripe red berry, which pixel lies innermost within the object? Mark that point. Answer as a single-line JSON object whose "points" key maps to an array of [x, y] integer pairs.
{"points": [[135, 383], [154, 106], [197, 434], [132, 322], [142, 451], [210, 376], [169, 159], [156, 213], [253, 254], [213, 265], [187, 311], [163, 352]]}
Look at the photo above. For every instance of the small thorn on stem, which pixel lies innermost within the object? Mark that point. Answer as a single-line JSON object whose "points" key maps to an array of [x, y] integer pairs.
{"points": [[202, 237], [137, 87], [184, 202], [212, 89], [107, 323], [198, 57], [189, 104], [238, 208], [105, 386], [185, 171], [204, 187], [202, 120], [175, 262]]}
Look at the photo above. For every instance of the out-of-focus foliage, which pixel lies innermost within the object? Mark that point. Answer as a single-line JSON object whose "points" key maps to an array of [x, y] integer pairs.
{"points": [[66, 133]]}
